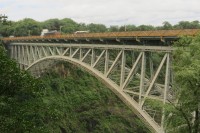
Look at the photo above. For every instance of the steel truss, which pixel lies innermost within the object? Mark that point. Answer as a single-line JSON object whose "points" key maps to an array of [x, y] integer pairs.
{"points": [[131, 72]]}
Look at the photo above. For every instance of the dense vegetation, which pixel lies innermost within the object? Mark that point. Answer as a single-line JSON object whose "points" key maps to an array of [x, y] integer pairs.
{"points": [[183, 115], [29, 26], [89, 106], [53, 103]]}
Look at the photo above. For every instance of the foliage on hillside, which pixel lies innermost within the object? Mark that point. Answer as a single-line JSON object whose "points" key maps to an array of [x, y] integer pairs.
{"points": [[19, 97], [88, 105], [185, 115], [78, 103]]}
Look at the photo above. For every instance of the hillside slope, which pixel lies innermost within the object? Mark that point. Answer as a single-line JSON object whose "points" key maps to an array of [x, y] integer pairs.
{"points": [[87, 105]]}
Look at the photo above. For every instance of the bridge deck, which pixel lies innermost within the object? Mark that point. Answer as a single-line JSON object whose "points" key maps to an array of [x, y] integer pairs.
{"points": [[160, 35]]}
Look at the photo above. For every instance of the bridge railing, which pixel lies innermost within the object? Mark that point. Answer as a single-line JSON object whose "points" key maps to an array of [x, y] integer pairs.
{"points": [[157, 33]]}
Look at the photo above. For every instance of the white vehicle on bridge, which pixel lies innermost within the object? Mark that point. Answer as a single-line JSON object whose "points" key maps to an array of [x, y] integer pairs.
{"points": [[81, 32]]}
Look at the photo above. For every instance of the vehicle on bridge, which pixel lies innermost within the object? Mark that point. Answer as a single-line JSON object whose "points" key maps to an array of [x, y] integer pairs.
{"points": [[46, 32], [81, 32]]}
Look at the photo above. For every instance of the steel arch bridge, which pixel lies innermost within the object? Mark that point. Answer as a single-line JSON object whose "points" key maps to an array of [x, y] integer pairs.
{"points": [[136, 65], [136, 74]]}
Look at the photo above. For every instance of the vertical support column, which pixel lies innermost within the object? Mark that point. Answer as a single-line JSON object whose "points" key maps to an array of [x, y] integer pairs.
{"points": [[19, 56], [93, 57], [167, 80], [28, 55], [12, 52], [142, 77], [171, 72], [106, 61], [38, 51], [32, 54], [151, 66], [37, 56], [17, 52], [23, 58], [70, 51], [61, 50], [133, 57], [16, 55], [35, 53], [123, 62], [43, 53], [81, 54]]}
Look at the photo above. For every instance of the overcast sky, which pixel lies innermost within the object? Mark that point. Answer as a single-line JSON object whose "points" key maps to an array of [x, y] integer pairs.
{"points": [[108, 12]]}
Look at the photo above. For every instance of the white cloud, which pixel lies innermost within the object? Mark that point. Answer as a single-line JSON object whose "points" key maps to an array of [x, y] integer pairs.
{"points": [[109, 12]]}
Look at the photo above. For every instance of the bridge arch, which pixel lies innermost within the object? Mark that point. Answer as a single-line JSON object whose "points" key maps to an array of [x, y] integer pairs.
{"points": [[107, 82]]}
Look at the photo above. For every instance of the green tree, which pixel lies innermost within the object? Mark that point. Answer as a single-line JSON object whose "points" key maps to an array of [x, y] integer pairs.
{"points": [[65, 25], [114, 28], [6, 30], [27, 27], [167, 26], [187, 25], [97, 28], [128, 28], [51, 24], [145, 27], [82, 27], [195, 24], [6, 27], [185, 112], [16, 89], [68, 25], [3, 19]]}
